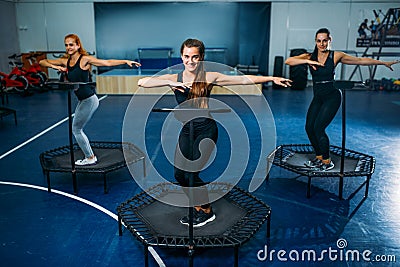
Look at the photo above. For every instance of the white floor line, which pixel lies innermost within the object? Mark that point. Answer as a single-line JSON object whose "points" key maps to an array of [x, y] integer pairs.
{"points": [[109, 213], [90, 203], [40, 134]]}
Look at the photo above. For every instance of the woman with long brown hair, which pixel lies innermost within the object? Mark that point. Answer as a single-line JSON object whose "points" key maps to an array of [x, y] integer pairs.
{"points": [[327, 98], [76, 65], [192, 87]]}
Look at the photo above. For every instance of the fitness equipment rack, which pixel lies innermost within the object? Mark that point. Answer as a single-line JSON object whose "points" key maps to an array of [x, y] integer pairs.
{"points": [[389, 22]]}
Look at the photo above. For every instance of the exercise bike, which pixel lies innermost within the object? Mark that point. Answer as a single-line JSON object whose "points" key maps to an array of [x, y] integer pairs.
{"points": [[34, 66], [35, 80], [13, 83]]}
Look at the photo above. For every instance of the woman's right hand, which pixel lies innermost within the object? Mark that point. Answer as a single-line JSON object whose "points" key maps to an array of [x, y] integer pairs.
{"points": [[314, 64], [59, 68], [182, 87]]}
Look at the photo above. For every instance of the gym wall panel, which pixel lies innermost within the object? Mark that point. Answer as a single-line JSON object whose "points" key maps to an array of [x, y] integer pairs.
{"points": [[44, 26], [242, 28], [293, 25], [9, 41], [121, 28]]}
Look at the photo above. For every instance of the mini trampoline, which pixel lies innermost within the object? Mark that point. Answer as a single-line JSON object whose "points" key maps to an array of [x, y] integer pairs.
{"points": [[348, 163], [292, 157], [239, 216], [111, 156]]}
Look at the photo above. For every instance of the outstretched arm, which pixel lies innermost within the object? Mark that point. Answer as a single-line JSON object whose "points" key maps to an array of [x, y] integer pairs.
{"points": [[365, 61], [108, 62], [222, 79]]}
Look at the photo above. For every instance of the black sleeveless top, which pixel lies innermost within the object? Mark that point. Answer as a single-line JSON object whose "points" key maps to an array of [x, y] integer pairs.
{"points": [[183, 96], [76, 74], [323, 77]]}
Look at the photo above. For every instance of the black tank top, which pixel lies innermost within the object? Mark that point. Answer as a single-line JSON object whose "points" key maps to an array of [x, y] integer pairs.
{"points": [[76, 74], [323, 77], [183, 96]]}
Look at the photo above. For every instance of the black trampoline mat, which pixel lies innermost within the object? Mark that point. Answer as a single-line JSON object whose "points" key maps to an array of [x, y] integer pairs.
{"points": [[105, 157], [298, 160], [163, 219]]}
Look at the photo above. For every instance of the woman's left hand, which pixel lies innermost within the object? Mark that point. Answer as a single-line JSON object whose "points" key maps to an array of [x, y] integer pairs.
{"points": [[390, 63], [131, 63], [282, 81]]}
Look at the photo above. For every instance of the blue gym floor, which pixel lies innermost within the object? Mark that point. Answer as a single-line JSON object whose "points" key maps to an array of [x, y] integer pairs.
{"points": [[61, 228]]}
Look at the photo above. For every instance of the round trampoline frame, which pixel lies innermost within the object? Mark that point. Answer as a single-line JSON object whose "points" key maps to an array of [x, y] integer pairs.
{"points": [[131, 154], [257, 212]]}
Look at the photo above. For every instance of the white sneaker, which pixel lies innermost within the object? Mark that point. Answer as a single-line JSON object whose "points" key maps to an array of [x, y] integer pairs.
{"points": [[86, 161]]}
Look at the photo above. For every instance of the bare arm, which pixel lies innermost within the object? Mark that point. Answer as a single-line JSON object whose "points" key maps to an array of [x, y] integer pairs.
{"points": [[163, 80], [364, 61], [57, 64], [303, 59], [222, 79], [108, 62]]}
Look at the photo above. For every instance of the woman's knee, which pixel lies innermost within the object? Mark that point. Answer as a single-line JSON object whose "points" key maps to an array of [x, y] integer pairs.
{"points": [[76, 130]]}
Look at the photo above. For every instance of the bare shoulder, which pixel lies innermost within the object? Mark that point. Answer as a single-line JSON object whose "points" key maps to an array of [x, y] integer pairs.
{"points": [[212, 76], [87, 59], [338, 56]]}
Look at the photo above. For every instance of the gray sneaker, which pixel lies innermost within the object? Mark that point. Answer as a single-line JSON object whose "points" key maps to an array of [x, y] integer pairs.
{"points": [[313, 163], [325, 167], [200, 218], [86, 161]]}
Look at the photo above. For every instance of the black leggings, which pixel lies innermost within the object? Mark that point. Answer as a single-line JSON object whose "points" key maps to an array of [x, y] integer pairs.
{"points": [[320, 114], [204, 130]]}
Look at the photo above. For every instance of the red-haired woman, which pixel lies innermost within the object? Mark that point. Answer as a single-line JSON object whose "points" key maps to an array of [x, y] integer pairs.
{"points": [[77, 65]]}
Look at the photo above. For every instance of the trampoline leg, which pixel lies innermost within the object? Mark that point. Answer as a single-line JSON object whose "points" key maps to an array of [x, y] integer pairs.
{"points": [[48, 181], [144, 167], [341, 187], [309, 187], [105, 183], [119, 225], [146, 256], [269, 225], [367, 185], [74, 183], [236, 255]]}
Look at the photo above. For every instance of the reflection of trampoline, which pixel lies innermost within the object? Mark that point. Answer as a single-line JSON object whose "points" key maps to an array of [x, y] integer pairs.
{"points": [[110, 157], [292, 158], [348, 162], [239, 216]]}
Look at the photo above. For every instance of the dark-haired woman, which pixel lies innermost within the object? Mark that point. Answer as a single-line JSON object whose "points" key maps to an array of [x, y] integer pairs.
{"points": [[193, 86], [326, 100]]}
